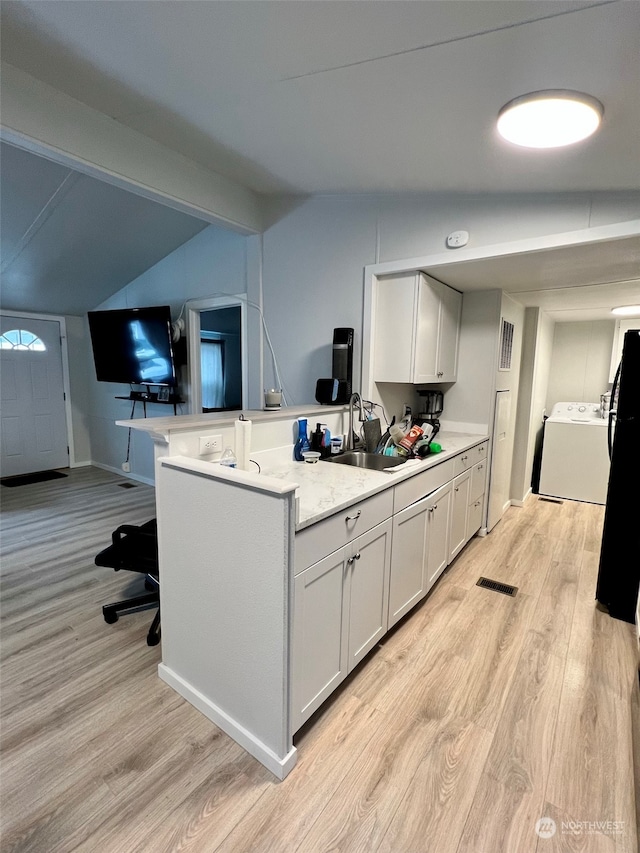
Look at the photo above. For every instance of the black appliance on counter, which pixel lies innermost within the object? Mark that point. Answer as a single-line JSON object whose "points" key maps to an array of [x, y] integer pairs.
{"points": [[619, 571], [338, 389], [432, 409]]}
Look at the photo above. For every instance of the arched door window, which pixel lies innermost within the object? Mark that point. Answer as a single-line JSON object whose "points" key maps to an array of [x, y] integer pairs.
{"points": [[21, 339]]}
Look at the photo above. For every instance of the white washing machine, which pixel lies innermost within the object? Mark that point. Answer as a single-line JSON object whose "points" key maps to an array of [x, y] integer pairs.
{"points": [[575, 454]]}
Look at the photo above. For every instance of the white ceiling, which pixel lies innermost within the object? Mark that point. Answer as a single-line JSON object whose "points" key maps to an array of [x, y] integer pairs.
{"points": [[346, 96]]}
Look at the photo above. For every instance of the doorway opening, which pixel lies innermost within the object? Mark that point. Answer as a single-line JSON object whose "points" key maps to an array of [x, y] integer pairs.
{"points": [[217, 354]]}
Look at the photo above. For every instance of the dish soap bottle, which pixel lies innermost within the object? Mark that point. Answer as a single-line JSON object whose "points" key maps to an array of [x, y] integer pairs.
{"points": [[302, 443]]}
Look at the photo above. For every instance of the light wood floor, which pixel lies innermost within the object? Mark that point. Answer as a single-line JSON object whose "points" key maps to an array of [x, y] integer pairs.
{"points": [[477, 716]]}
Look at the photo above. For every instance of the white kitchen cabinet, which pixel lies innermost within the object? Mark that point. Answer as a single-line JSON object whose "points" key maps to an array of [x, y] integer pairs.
{"points": [[368, 588], [474, 517], [459, 507], [340, 613], [415, 330], [439, 510], [320, 650], [408, 559]]}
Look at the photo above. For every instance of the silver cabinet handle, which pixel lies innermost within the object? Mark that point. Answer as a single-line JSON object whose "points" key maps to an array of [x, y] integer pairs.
{"points": [[351, 560], [357, 556], [354, 517], [464, 458], [457, 488], [480, 467], [433, 508]]}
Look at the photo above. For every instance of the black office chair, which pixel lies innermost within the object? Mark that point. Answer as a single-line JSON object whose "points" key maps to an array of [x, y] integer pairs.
{"points": [[134, 549]]}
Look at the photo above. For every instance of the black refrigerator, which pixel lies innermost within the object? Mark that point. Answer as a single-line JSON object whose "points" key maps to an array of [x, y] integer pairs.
{"points": [[619, 572]]}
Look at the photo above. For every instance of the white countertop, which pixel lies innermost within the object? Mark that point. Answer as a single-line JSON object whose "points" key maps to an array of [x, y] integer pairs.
{"points": [[324, 488]]}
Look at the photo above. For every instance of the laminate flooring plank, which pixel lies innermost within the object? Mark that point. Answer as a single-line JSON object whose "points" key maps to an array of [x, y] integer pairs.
{"points": [[358, 815], [553, 614], [511, 791], [491, 646], [439, 796], [328, 747]]}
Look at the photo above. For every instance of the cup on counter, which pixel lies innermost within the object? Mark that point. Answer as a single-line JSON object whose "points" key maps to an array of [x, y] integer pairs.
{"points": [[336, 445], [272, 398]]}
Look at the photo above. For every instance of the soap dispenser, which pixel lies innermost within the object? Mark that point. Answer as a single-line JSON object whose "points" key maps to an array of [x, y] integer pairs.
{"points": [[302, 443]]}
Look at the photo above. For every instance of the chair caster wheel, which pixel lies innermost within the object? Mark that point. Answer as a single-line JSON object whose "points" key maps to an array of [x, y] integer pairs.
{"points": [[153, 640], [110, 618]]}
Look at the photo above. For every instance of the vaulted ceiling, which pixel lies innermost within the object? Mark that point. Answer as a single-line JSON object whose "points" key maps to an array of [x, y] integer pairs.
{"points": [[307, 97]]}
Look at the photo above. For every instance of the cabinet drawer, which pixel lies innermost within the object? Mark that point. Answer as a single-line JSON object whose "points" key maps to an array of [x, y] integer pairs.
{"points": [[474, 517], [478, 452], [464, 461], [422, 484], [478, 478], [316, 541]]}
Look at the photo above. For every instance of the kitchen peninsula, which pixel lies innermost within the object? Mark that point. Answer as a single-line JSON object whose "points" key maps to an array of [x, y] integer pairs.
{"points": [[277, 581]]}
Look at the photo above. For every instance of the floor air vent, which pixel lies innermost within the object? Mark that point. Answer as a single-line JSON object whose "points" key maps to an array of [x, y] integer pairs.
{"points": [[127, 485], [551, 500], [496, 586]]}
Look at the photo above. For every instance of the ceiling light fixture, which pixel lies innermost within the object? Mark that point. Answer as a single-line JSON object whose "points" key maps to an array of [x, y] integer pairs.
{"points": [[549, 119], [626, 310]]}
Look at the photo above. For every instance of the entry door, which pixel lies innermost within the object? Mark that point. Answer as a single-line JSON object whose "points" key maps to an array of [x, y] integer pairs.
{"points": [[34, 425]]}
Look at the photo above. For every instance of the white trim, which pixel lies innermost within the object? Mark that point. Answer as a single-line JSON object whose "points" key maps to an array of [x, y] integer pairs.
{"points": [[194, 308], [524, 499], [140, 479], [279, 766], [66, 384], [598, 234]]}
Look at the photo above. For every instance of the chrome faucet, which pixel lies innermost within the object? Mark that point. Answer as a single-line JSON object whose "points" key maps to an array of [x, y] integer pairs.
{"points": [[353, 399]]}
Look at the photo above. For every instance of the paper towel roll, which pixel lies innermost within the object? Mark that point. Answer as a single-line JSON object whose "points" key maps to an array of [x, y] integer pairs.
{"points": [[243, 443]]}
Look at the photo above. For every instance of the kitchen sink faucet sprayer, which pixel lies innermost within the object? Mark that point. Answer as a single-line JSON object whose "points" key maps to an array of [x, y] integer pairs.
{"points": [[355, 398]]}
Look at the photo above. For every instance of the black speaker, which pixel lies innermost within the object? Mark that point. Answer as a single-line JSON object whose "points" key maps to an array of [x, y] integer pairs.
{"points": [[342, 361]]}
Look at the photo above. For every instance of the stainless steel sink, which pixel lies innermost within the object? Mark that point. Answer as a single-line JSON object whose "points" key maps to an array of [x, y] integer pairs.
{"points": [[361, 459]]}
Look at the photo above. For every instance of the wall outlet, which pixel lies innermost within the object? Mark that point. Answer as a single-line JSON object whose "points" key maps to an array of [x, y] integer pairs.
{"points": [[126, 467], [210, 444]]}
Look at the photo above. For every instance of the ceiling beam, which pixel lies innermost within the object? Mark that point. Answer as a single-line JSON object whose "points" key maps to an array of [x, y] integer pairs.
{"points": [[47, 122]]}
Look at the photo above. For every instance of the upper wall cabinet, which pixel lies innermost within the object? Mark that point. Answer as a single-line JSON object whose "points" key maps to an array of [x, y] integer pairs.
{"points": [[415, 330]]}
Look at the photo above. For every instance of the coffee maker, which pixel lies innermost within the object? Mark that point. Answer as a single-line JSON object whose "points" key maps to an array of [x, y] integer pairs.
{"points": [[432, 409]]}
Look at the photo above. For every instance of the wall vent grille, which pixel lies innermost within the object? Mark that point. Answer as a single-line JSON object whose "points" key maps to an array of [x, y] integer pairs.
{"points": [[496, 586], [506, 345], [127, 485]]}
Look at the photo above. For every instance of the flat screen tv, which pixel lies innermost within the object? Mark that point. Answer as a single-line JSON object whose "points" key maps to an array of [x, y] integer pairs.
{"points": [[133, 345]]}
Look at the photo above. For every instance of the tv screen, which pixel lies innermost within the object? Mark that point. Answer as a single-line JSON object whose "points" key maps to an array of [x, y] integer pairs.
{"points": [[133, 345]]}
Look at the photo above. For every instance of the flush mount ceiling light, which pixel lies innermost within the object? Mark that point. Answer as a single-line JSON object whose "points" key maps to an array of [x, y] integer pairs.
{"points": [[626, 310], [549, 119]]}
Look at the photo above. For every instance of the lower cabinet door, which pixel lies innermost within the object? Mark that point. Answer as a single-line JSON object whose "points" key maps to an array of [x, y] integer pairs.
{"points": [[439, 509], [459, 504], [368, 587], [320, 625], [408, 559], [474, 517]]}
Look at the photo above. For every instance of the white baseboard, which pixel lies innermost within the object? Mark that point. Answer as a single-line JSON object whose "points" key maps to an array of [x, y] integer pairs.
{"points": [[85, 464], [523, 501], [146, 480], [280, 767]]}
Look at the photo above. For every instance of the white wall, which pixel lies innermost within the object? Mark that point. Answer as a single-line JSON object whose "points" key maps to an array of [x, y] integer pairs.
{"points": [[580, 361]]}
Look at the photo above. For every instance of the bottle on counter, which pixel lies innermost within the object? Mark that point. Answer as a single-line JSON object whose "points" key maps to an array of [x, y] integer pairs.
{"points": [[407, 441], [302, 442], [228, 458]]}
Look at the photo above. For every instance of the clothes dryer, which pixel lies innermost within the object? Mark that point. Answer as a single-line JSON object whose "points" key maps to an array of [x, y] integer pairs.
{"points": [[575, 457]]}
